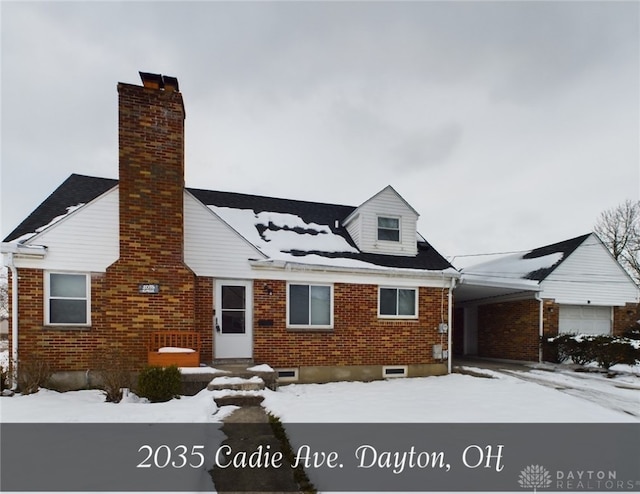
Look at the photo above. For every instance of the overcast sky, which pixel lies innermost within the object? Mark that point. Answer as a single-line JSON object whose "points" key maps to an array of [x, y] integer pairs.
{"points": [[506, 125]]}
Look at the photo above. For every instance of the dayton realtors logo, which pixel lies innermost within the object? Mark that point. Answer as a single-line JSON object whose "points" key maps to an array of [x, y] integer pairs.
{"points": [[535, 477], [538, 477]]}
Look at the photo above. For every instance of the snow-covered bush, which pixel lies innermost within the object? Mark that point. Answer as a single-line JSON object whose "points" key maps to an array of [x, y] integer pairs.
{"points": [[606, 350], [159, 383]]}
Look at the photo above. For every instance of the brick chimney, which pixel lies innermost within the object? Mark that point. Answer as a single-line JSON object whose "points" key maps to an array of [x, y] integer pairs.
{"points": [[149, 288], [151, 154]]}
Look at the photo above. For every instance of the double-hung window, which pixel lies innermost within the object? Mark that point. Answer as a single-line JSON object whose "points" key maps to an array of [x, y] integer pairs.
{"points": [[398, 302], [68, 299], [389, 229], [309, 306]]}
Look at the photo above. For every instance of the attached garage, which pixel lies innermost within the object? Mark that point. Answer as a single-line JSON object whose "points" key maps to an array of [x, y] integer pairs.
{"points": [[504, 306], [585, 319]]}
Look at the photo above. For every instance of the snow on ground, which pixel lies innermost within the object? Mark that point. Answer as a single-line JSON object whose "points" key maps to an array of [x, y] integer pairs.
{"points": [[451, 398], [89, 406], [501, 397]]}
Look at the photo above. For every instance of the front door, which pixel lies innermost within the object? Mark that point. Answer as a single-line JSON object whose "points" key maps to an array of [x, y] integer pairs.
{"points": [[233, 332]]}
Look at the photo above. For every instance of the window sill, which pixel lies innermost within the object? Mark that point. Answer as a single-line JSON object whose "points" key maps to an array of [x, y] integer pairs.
{"points": [[398, 318], [63, 327], [310, 330]]}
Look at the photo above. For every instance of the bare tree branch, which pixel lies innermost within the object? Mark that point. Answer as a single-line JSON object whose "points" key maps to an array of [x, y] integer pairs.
{"points": [[619, 229]]}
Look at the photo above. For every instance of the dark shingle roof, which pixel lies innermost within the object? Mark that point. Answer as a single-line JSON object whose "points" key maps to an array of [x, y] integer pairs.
{"points": [[79, 189], [565, 247]]}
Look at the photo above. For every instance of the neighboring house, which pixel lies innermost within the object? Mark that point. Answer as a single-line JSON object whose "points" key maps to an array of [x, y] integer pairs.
{"points": [[319, 292], [576, 286]]}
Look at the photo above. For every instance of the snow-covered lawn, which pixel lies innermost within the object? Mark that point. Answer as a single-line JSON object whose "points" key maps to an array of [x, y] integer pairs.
{"points": [[452, 398], [538, 396]]}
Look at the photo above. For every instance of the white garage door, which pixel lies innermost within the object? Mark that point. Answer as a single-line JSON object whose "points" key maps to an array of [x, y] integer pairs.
{"points": [[585, 319]]}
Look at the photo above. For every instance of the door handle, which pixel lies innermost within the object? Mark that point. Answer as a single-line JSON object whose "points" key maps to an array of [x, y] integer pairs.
{"points": [[218, 330]]}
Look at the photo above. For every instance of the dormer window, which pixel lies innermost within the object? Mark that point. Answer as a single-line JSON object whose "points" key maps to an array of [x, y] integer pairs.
{"points": [[388, 229]]}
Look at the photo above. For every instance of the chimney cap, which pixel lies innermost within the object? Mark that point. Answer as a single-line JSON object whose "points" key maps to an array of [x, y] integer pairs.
{"points": [[158, 81], [170, 82]]}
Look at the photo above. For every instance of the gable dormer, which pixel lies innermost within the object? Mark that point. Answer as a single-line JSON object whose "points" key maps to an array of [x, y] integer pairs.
{"points": [[384, 224]]}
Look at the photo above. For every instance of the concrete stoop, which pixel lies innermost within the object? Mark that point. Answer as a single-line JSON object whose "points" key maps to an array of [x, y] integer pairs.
{"points": [[229, 375]]}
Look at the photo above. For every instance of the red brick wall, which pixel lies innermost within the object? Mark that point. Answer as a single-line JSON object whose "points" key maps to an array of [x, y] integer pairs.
{"points": [[62, 348], [117, 325], [509, 330], [204, 316], [625, 317], [359, 337]]}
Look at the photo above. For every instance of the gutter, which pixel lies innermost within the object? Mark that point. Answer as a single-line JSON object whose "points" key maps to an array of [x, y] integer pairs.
{"points": [[276, 264], [450, 321]]}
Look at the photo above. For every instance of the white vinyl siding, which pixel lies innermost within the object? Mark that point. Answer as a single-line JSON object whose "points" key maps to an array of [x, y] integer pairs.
{"points": [[68, 299], [212, 247], [86, 240], [363, 225], [585, 319], [590, 276]]}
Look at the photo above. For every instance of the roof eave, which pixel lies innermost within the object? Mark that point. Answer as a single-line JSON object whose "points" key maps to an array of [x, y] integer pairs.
{"points": [[23, 251], [277, 264]]}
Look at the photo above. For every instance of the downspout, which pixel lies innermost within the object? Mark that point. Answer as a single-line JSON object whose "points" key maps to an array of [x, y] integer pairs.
{"points": [[14, 320], [540, 325], [450, 321]]}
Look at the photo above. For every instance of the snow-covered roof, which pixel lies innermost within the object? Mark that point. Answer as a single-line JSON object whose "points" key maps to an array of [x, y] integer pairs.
{"points": [[523, 269], [276, 233]]}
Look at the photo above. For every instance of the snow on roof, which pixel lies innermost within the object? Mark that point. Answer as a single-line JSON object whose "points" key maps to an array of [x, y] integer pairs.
{"points": [[288, 238], [512, 267], [27, 236], [278, 233]]}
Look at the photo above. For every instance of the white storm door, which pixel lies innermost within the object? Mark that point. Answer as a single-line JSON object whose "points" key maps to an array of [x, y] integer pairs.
{"points": [[233, 330]]}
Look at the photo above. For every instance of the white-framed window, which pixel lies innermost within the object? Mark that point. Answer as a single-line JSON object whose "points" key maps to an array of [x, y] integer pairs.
{"points": [[309, 306], [400, 303], [389, 228], [68, 299]]}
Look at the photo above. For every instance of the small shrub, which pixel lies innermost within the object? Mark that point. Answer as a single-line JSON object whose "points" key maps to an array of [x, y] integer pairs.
{"points": [[33, 375], [114, 373], [4, 378], [632, 333], [159, 384], [612, 350], [581, 350]]}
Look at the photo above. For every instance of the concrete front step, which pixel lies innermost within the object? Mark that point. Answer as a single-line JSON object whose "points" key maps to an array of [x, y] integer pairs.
{"points": [[236, 383], [194, 382], [239, 400]]}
